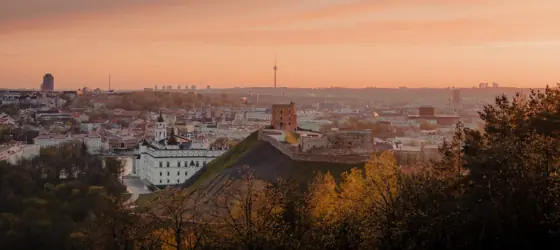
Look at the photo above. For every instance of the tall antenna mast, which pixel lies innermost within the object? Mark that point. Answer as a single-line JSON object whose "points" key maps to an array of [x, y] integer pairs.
{"points": [[109, 83], [275, 69]]}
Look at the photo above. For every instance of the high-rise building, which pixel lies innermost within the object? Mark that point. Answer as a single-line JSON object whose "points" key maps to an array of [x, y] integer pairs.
{"points": [[193, 87], [48, 82], [456, 97], [495, 85]]}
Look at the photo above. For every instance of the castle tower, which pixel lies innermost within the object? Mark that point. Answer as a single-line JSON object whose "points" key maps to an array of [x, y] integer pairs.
{"points": [[160, 132]]}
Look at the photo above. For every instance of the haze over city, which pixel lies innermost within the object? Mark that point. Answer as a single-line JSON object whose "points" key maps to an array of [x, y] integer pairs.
{"points": [[319, 43]]}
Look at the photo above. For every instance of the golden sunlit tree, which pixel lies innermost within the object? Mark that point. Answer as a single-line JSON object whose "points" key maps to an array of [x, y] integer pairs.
{"points": [[323, 198], [180, 220], [350, 213], [251, 211]]}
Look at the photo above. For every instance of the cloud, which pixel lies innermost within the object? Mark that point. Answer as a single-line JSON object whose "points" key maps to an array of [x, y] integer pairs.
{"points": [[393, 33], [302, 22], [20, 10]]}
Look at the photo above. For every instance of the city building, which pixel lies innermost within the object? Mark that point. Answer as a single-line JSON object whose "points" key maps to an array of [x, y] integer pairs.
{"points": [[428, 114], [48, 82], [7, 120], [284, 116], [258, 114], [13, 153], [172, 159], [456, 98], [310, 141], [95, 143], [122, 142], [351, 140]]}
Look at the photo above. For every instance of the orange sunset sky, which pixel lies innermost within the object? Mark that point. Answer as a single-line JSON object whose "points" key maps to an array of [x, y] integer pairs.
{"points": [[319, 43]]}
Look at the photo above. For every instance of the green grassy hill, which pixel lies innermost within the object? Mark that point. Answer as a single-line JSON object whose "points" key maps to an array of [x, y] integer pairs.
{"points": [[224, 161]]}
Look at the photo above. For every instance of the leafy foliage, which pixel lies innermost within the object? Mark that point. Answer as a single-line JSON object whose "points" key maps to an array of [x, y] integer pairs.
{"points": [[43, 202], [163, 99], [292, 137]]}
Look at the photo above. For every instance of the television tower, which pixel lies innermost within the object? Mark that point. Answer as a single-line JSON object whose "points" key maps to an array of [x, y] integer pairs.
{"points": [[275, 69]]}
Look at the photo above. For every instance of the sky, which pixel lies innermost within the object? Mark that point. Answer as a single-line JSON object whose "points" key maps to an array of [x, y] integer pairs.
{"points": [[317, 43]]}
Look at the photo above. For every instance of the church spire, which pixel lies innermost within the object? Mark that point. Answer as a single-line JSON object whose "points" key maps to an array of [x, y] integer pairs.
{"points": [[160, 117]]}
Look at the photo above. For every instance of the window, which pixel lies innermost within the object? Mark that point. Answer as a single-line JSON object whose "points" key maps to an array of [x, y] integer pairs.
{"points": [[167, 180], [186, 173], [197, 164], [160, 181], [167, 173], [167, 164], [178, 173], [192, 164], [186, 164], [160, 164], [178, 180], [160, 174]]}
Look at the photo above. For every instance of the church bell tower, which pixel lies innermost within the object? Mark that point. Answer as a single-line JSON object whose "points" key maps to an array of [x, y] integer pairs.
{"points": [[160, 132]]}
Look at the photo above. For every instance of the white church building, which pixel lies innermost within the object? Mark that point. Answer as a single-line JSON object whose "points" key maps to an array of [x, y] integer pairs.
{"points": [[172, 159]]}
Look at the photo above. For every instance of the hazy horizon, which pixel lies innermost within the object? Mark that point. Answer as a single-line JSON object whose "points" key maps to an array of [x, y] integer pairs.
{"points": [[319, 43]]}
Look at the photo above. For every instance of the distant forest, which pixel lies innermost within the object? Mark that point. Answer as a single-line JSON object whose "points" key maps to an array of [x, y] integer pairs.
{"points": [[153, 101]]}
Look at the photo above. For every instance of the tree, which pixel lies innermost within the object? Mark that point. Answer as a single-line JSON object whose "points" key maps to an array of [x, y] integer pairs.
{"points": [[492, 189], [47, 202], [252, 213], [180, 220]]}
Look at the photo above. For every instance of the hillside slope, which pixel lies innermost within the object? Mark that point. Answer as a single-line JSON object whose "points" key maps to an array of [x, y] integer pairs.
{"points": [[223, 162], [268, 164]]}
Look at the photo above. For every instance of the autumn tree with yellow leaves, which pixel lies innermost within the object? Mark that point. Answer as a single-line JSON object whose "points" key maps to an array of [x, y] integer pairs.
{"points": [[350, 212], [250, 211], [180, 221]]}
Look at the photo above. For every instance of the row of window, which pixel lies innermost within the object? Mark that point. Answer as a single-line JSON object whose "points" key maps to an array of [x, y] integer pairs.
{"points": [[185, 164], [178, 173], [161, 181]]}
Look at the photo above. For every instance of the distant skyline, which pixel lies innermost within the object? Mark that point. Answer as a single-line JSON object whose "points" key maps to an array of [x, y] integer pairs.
{"points": [[318, 43]]}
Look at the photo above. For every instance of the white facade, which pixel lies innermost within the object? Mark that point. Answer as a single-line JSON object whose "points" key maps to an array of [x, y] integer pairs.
{"points": [[171, 166], [94, 142], [258, 116], [162, 164], [14, 153]]}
